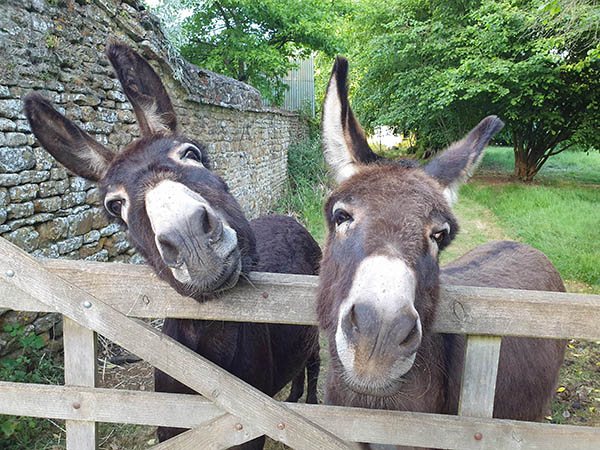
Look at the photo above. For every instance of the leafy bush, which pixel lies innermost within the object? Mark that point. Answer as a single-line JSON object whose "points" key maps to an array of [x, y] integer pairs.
{"points": [[32, 364], [308, 185]]}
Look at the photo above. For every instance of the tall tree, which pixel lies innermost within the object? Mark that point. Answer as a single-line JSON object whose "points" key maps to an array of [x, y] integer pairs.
{"points": [[435, 68], [254, 41]]}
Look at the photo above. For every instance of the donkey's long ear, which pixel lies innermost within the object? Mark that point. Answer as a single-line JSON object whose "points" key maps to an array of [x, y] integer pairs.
{"points": [[69, 144], [457, 163], [143, 88], [343, 138]]}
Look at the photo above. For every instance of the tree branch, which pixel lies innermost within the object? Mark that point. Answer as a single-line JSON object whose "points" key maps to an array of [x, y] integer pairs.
{"points": [[200, 42], [225, 18], [561, 150]]}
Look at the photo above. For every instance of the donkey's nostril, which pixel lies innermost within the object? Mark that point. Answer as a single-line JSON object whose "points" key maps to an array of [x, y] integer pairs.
{"points": [[206, 222], [411, 342], [353, 319], [168, 250], [361, 320], [412, 333], [211, 225], [216, 228]]}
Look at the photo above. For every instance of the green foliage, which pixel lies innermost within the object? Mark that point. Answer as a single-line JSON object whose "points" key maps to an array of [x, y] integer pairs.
{"points": [[308, 186], [254, 41], [436, 68], [52, 41], [30, 365]]}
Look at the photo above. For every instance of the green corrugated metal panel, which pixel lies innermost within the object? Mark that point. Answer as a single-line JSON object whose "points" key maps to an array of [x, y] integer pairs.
{"points": [[302, 87]]}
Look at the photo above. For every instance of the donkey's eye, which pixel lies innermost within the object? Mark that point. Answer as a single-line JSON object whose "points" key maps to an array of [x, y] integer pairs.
{"points": [[114, 207], [192, 153], [439, 236], [340, 216]]}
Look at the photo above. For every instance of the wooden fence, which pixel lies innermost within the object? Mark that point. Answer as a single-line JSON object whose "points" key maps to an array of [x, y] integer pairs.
{"points": [[104, 297]]}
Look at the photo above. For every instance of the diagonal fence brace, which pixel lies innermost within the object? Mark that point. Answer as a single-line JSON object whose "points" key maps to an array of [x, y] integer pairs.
{"points": [[221, 433], [225, 390]]}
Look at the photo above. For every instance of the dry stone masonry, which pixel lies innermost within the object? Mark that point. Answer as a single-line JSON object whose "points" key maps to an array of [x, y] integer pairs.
{"points": [[56, 47]]}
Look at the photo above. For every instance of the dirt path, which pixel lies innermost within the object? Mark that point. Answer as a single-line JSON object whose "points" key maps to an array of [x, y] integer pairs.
{"points": [[477, 225]]}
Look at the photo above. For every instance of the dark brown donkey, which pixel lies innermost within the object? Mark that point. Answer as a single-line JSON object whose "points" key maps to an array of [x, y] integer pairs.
{"points": [[380, 278], [182, 218]]}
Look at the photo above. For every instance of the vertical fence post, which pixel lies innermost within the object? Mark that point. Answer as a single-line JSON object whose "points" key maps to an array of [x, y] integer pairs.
{"points": [[478, 386], [80, 370]]}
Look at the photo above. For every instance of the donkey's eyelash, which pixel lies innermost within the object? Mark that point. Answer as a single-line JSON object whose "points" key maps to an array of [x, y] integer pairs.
{"points": [[115, 206], [192, 153], [340, 216]]}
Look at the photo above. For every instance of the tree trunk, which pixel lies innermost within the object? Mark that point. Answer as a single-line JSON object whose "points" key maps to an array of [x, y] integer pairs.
{"points": [[526, 166]]}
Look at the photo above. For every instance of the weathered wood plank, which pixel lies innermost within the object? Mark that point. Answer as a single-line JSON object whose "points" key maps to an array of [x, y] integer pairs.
{"points": [[352, 424], [80, 370], [135, 291], [513, 312], [106, 405], [221, 433], [227, 391], [479, 376]]}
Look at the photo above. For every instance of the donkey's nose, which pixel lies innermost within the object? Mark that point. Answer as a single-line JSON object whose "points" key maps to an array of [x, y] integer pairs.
{"points": [[198, 227], [408, 335], [377, 335]]}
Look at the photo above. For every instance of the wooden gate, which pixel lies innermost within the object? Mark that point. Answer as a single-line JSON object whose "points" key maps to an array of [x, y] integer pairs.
{"points": [[99, 297]]}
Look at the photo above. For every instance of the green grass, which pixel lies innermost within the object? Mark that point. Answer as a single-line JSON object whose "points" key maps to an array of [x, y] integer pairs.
{"points": [[562, 222], [566, 166]]}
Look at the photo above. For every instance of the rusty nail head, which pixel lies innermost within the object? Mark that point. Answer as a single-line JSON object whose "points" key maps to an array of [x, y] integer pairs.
{"points": [[76, 405], [87, 304], [478, 436], [281, 426], [10, 273], [239, 426], [265, 295]]}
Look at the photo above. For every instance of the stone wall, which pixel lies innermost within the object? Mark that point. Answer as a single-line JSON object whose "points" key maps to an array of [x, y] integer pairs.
{"points": [[56, 47]]}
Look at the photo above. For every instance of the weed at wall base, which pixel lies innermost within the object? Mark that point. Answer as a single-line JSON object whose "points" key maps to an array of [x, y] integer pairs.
{"points": [[31, 364], [307, 187]]}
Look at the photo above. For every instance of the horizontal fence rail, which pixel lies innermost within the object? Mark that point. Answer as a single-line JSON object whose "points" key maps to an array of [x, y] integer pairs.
{"points": [[352, 424], [279, 298]]}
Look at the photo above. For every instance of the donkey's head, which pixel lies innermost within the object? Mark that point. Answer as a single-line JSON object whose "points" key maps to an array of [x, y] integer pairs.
{"points": [[379, 281], [180, 216]]}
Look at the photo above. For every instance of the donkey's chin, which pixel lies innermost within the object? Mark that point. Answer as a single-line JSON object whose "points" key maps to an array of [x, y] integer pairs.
{"points": [[383, 384], [200, 283]]}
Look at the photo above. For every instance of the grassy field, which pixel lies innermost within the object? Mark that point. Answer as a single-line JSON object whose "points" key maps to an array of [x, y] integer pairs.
{"points": [[565, 167], [308, 187], [560, 221]]}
